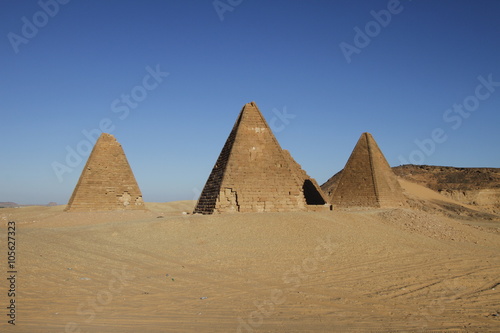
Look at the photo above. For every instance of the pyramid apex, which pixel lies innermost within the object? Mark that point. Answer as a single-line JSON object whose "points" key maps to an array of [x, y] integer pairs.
{"points": [[252, 104], [369, 137], [106, 137], [250, 115]]}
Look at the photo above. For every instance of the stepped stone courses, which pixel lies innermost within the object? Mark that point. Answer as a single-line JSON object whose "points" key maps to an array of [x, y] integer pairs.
{"points": [[367, 180], [253, 173], [107, 181]]}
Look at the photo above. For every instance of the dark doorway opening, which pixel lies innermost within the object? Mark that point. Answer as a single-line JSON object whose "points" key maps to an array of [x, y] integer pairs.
{"points": [[311, 194]]}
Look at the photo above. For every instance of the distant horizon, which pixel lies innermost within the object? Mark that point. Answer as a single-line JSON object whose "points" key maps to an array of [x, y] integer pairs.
{"points": [[419, 165]]}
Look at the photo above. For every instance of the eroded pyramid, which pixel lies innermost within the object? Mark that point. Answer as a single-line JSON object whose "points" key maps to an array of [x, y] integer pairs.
{"points": [[253, 173], [367, 180], [107, 181]]}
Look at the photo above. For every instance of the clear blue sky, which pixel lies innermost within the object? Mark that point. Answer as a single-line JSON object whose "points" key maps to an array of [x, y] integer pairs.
{"points": [[67, 68]]}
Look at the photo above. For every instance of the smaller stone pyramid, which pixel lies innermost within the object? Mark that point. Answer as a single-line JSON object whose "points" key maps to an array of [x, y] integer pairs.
{"points": [[367, 180], [254, 174], [107, 181]]}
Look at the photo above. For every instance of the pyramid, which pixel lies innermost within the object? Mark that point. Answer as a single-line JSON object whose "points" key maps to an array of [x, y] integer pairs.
{"points": [[107, 181], [253, 173], [367, 180]]}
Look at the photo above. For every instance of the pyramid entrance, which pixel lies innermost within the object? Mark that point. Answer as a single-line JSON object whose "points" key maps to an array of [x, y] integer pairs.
{"points": [[311, 193]]}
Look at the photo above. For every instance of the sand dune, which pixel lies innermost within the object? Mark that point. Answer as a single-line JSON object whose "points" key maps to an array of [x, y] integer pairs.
{"points": [[368, 270]]}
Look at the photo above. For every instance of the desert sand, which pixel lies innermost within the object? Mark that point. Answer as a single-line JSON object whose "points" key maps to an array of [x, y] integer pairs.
{"points": [[369, 270]]}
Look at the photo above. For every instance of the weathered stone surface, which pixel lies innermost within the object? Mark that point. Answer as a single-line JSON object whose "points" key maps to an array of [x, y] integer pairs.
{"points": [[107, 181], [367, 180], [253, 173]]}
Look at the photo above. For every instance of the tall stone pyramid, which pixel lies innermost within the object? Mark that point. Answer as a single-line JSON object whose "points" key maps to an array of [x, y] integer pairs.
{"points": [[253, 173], [367, 180], [107, 181]]}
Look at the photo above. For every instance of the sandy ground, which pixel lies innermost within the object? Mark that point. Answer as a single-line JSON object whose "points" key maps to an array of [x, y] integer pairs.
{"points": [[398, 270]]}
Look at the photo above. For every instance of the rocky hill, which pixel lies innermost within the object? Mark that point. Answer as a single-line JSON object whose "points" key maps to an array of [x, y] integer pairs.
{"points": [[8, 204], [479, 187], [441, 178]]}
